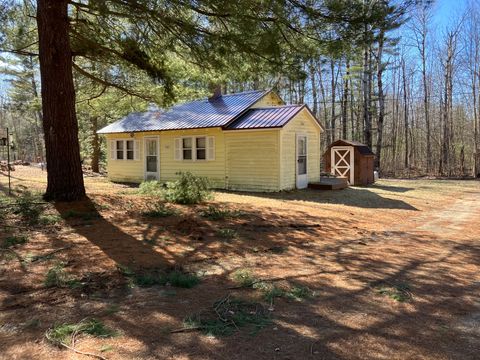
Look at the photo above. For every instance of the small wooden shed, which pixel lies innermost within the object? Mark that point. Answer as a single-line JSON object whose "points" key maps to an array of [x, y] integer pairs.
{"points": [[352, 160]]}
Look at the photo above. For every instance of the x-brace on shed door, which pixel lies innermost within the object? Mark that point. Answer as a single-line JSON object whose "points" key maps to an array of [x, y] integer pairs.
{"points": [[343, 162]]}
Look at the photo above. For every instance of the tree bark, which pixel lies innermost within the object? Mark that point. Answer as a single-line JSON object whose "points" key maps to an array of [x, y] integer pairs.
{"points": [[333, 84], [381, 100], [345, 99], [405, 114], [65, 178]]}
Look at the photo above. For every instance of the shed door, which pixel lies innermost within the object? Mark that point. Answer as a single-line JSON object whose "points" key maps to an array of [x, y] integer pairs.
{"points": [[343, 162], [302, 173], [151, 158]]}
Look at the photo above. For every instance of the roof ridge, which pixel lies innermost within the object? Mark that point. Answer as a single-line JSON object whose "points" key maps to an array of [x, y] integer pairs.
{"points": [[244, 92], [276, 107]]}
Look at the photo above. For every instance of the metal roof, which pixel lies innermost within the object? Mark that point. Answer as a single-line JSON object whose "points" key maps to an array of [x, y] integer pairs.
{"points": [[192, 115], [271, 117], [362, 148]]}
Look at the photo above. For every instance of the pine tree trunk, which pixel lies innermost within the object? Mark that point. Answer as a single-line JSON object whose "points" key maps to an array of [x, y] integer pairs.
{"points": [[405, 114], [65, 178], [381, 101], [345, 100], [333, 84]]}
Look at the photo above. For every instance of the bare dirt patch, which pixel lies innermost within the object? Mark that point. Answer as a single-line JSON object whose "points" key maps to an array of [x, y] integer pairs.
{"points": [[392, 271]]}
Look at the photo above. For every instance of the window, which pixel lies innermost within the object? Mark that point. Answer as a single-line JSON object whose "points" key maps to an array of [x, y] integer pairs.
{"points": [[119, 149], [124, 150], [130, 150], [195, 148], [201, 148], [187, 148]]}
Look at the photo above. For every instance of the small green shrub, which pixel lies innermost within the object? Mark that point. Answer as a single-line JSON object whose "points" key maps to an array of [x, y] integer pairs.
{"points": [[227, 233], [28, 207], [159, 210], [14, 240], [244, 278], [151, 188], [218, 213], [299, 292], [62, 334], [188, 189], [400, 292]]}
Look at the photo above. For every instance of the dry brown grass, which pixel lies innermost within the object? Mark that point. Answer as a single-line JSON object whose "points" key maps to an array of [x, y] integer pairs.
{"points": [[351, 248]]}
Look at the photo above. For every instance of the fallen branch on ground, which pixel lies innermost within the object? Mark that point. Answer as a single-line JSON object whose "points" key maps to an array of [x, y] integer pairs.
{"points": [[39, 257]]}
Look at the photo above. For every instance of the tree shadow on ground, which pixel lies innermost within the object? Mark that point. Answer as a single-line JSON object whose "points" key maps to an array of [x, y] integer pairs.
{"points": [[348, 318], [353, 196]]}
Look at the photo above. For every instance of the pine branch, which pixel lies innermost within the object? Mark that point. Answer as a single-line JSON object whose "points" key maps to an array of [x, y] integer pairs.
{"points": [[110, 84]]}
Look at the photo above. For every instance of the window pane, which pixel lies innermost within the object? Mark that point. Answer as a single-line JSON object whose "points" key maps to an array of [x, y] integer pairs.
{"points": [[302, 165], [187, 143], [129, 144], [130, 154], [119, 144], [152, 147], [120, 154], [201, 142], [201, 154], [151, 163], [187, 154]]}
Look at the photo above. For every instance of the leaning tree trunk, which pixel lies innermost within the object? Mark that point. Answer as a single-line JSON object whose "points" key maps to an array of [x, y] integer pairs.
{"points": [[95, 145], [65, 179]]}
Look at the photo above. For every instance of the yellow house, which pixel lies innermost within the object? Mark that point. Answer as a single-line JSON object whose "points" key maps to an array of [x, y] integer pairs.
{"points": [[246, 141]]}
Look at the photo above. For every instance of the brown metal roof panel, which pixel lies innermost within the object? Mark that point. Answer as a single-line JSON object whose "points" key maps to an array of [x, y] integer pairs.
{"points": [[272, 117]]}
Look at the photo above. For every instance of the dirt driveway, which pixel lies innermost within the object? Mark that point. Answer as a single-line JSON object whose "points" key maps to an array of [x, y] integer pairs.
{"points": [[386, 272]]}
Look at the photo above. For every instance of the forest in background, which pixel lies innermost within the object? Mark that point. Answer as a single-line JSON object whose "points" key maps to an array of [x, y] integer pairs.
{"points": [[409, 90]]}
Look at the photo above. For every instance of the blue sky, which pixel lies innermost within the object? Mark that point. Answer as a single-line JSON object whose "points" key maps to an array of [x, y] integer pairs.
{"points": [[446, 11]]}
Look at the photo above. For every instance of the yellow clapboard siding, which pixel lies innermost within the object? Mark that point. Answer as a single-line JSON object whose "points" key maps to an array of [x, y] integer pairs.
{"points": [[213, 169], [270, 99], [133, 171], [124, 170], [302, 124], [252, 160]]}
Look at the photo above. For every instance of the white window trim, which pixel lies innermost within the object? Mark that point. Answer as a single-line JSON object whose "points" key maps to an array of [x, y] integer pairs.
{"points": [[194, 148], [135, 152]]}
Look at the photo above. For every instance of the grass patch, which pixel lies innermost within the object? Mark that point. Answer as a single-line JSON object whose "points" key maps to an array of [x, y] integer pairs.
{"points": [[218, 213], [62, 334], [49, 219], [228, 315], [227, 234], [14, 240], [154, 277], [400, 292], [159, 210], [84, 215], [58, 277]]}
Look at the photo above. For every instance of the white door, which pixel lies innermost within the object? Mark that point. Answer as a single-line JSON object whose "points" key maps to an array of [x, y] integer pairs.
{"points": [[342, 162], [302, 174], [151, 159]]}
